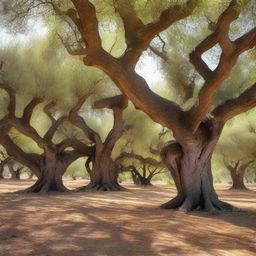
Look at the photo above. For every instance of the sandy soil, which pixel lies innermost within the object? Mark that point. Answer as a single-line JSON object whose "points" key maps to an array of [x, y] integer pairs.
{"points": [[126, 223]]}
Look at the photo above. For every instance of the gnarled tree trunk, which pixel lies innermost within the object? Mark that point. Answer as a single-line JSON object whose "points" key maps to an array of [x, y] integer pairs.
{"points": [[104, 174], [190, 166], [50, 179]]}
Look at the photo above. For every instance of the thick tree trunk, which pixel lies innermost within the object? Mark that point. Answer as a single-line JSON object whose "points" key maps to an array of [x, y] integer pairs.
{"points": [[104, 174], [238, 179], [50, 179], [191, 170], [1, 172]]}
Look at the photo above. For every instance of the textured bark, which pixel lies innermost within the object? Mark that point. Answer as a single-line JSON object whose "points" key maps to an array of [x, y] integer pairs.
{"points": [[238, 181], [50, 179], [190, 166], [104, 174]]}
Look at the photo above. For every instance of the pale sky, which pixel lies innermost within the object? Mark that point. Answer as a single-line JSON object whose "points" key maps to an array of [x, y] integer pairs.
{"points": [[36, 29], [147, 67]]}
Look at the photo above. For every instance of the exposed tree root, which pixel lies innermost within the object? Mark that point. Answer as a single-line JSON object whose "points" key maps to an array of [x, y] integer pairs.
{"points": [[173, 203], [213, 205], [101, 187], [45, 187]]}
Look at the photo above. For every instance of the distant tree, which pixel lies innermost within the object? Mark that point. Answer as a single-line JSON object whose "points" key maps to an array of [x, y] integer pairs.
{"points": [[236, 149], [237, 171], [143, 170], [100, 165], [49, 166], [15, 171]]}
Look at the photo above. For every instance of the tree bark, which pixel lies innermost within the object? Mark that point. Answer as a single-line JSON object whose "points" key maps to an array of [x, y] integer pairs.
{"points": [[237, 173], [238, 182], [104, 174], [238, 179], [1, 172], [190, 167], [50, 179]]}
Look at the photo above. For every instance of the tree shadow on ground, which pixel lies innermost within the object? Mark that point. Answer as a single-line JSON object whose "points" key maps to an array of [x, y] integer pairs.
{"points": [[126, 223]]}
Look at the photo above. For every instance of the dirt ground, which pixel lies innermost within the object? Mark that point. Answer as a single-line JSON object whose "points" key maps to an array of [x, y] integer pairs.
{"points": [[126, 223]]}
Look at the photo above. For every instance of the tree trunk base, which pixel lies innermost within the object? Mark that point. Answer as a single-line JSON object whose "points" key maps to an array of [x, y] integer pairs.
{"points": [[212, 205], [101, 187], [42, 187]]}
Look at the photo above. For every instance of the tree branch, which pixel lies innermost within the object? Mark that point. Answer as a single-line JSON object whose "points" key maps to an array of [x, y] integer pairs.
{"points": [[54, 127], [214, 79], [142, 35], [30, 160], [233, 107], [28, 111], [148, 160], [246, 42], [77, 145], [74, 52], [47, 110], [117, 103], [78, 121], [161, 55], [88, 24]]}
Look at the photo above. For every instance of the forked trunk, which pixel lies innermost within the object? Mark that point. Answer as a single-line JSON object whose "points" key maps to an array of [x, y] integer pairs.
{"points": [[190, 167], [104, 174], [50, 179]]}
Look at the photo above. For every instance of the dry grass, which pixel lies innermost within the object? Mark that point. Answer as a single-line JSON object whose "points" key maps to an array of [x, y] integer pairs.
{"points": [[121, 224]]}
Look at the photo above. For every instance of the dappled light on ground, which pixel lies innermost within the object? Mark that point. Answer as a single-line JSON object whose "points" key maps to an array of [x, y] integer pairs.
{"points": [[121, 223]]}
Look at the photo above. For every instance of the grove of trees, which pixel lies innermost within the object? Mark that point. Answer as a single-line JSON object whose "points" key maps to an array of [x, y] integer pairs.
{"points": [[206, 54]]}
